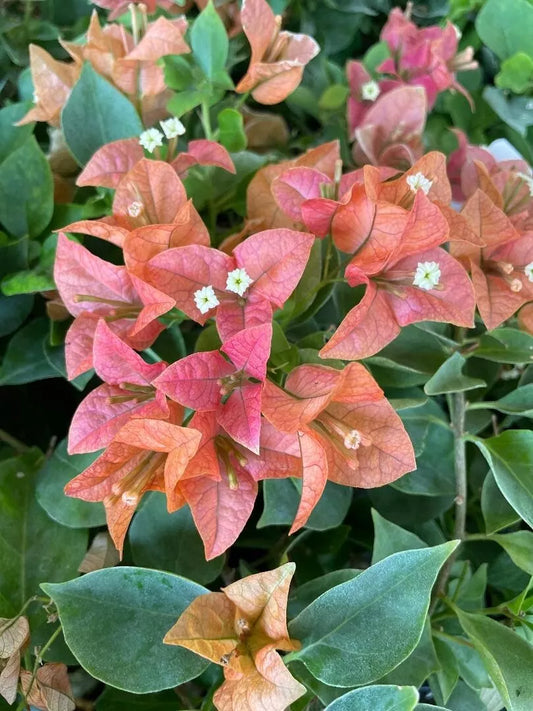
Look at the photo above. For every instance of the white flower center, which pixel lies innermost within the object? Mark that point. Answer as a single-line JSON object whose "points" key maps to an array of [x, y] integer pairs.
{"points": [[528, 271], [352, 440], [205, 299], [418, 181], [151, 139], [172, 127], [427, 275], [370, 90], [528, 180], [135, 209], [238, 281]]}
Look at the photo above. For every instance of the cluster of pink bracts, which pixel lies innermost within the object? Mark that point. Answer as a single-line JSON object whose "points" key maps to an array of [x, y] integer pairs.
{"points": [[207, 428], [324, 424]]}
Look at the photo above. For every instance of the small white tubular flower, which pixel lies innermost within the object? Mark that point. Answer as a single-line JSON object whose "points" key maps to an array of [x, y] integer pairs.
{"points": [[172, 127], [352, 440], [205, 299], [238, 281], [370, 90], [135, 208], [151, 139], [427, 275], [418, 181], [528, 271], [528, 180]]}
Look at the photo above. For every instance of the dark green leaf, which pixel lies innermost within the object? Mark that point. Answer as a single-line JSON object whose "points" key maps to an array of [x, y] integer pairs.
{"points": [[507, 657], [13, 312], [519, 547], [170, 541], [358, 631], [59, 469], [11, 136], [370, 698], [282, 497], [510, 457], [449, 378], [115, 700], [419, 664], [209, 41], [103, 111], [390, 538], [515, 111], [497, 512], [304, 594], [26, 190], [24, 361], [114, 621]]}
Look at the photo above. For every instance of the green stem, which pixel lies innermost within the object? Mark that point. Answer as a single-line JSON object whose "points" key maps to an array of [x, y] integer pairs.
{"points": [[206, 121], [39, 659], [457, 417], [152, 354], [13, 442]]}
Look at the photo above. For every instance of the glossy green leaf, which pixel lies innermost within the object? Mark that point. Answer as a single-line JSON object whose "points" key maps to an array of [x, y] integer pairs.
{"points": [[33, 548], [507, 657], [510, 457], [390, 538], [282, 496], [26, 190], [114, 621], [449, 378], [11, 136], [24, 360], [497, 512], [519, 547], [59, 469], [170, 541], [231, 130], [358, 631], [506, 27], [103, 111], [209, 41], [518, 402], [370, 698], [14, 310], [516, 73], [506, 345]]}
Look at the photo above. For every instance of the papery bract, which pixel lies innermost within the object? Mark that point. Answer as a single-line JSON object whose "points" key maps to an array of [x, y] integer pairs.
{"points": [[278, 57], [110, 163], [126, 393], [206, 381], [274, 261], [50, 690], [14, 636], [145, 454], [240, 629], [203, 152]]}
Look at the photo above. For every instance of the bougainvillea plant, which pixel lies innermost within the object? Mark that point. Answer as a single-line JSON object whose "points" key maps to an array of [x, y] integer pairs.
{"points": [[275, 260]]}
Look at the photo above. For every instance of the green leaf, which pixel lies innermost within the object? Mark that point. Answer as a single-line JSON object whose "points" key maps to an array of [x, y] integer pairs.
{"points": [[370, 698], [14, 310], [209, 41], [515, 111], [516, 73], [26, 190], [33, 548], [24, 360], [519, 547], [449, 378], [506, 28], [497, 512], [518, 402], [510, 457], [170, 541], [334, 97], [506, 345], [11, 136], [377, 54], [178, 72], [282, 496], [114, 621], [304, 594], [390, 538], [115, 700], [358, 631], [59, 469], [180, 103], [231, 130], [419, 664], [507, 657], [103, 112]]}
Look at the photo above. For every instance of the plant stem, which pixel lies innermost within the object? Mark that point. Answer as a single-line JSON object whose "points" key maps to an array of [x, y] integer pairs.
{"points": [[13, 442], [457, 416], [206, 121]]}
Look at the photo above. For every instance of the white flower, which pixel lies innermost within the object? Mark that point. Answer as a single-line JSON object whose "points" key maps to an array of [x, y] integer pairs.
{"points": [[352, 439], [35, 97], [238, 281], [370, 90], [427, 275], [205, 299], [135, 208], [528, 271], [419, 181], [172, 127], [151, 139], [528, 180]]}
